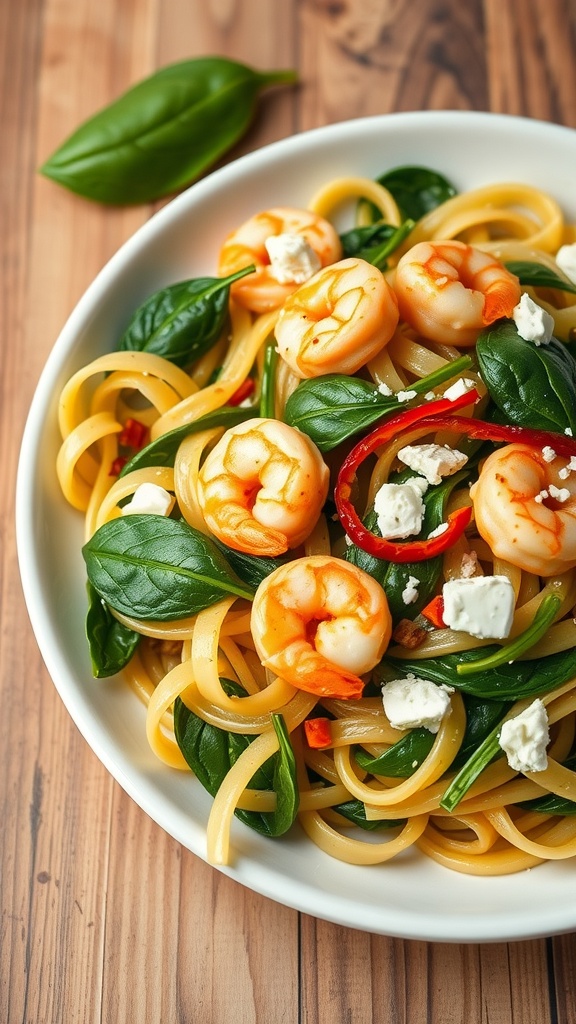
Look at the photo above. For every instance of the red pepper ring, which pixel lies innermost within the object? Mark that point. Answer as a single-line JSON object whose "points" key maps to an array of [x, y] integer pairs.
{"points": [[429, 416]]}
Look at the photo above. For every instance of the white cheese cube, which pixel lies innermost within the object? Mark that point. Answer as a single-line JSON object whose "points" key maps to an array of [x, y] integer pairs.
{"points": [[292, 258], [566, 260], [433, 461], [480, 605], [524, 739], [415, 703], [532, 322], [149, 499], [399, 509]]}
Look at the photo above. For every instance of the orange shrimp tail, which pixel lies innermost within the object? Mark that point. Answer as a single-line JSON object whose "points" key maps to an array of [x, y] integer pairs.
{"points": [[304, 668], [501, 301], [242, 532]]}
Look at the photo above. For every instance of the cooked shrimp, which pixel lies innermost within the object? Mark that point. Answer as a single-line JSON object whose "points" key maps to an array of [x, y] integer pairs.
{"points": [[526, 510], [321, 623], [262, 487], [338, 320], [449, 291], [263, 290]]}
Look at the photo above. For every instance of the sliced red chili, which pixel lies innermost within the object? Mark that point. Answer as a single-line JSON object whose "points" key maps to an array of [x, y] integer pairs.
{"points": [[434, 612], [244, 391], [318, 733], [429, 416], [133, 435], [118, 465]]}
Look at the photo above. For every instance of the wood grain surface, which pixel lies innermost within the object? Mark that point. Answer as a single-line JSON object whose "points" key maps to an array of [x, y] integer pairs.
{"points": [[104, 917]]}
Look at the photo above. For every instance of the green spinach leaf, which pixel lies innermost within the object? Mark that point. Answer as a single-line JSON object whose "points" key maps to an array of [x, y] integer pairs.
{"points": [[182, 321], [163, 132], [538, 275], [532, 385], [507, 682], [110, 642], [417, 190], [162, 451], [355, 811], [211, 752], [153, 567], [334, 407]]}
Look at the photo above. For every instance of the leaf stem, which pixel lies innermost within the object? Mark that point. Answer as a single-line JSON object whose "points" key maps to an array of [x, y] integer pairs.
{"points": [[268, 381], [545, 615]]}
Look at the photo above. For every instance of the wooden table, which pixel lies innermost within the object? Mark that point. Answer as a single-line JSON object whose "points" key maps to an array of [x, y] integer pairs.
{"points": [[104, 917]]}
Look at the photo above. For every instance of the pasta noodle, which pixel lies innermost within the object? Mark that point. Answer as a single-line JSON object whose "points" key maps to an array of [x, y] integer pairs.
{"points": [[269, 682]]}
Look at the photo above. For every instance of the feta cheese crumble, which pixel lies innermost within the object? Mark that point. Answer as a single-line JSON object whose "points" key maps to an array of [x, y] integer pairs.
{"points": [[149, 499], [548, 453], [399, 508], [524, 739], [410, 592], [560, 493], [458, 388], [292, 258], [384, 389], [532, 322], [480, 605], [566, 260], [406, 396], [415, 703], [564, 473], [433, 461]]}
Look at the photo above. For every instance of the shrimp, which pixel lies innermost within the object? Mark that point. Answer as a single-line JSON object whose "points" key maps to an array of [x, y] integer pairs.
{"points": [[262, 487], [263, 291], [338, 320], [320, 623], [526, 510], [449, 291]]}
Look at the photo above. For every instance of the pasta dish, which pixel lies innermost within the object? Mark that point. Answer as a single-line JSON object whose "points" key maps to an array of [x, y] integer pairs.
{"points": [[330, 522]]}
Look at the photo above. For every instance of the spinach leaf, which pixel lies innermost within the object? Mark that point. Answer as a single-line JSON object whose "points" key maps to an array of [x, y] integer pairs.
{"points": [[507, 682], [532, 385], [408, 753], [110, 642], [334, 407], [251, 569], [162, 451], [538, 275], [402, 758], [375, 243], [393, 576], [417, 190], [163, 132], [211, 752], [153, 567], [355, 811], [182, 321]]}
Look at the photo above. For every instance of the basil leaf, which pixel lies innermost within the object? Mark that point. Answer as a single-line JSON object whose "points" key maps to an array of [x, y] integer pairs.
{"points": [[538, 275], [163, 132], [162, 451], [153, 567], [211, 752], [533, 385], [507, 682], [182, 321], [110, 642]]}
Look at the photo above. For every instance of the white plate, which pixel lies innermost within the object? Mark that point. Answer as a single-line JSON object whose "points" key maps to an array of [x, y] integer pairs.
{"points": [[411, 897]]}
